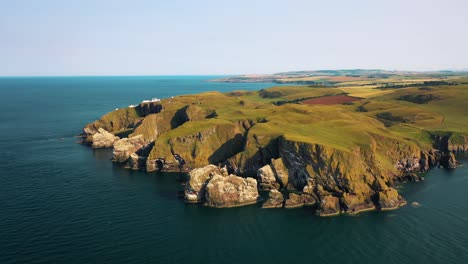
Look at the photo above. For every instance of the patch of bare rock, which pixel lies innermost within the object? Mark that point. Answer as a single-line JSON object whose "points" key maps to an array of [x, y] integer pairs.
{"points": [[103, 139], [214, 187]]}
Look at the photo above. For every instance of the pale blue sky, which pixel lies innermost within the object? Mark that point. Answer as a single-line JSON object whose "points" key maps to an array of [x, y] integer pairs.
{"points": [[143, 37]]}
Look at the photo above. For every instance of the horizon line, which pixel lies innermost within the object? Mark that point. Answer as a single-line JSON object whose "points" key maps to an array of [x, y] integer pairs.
{"points": [[461, 70]]}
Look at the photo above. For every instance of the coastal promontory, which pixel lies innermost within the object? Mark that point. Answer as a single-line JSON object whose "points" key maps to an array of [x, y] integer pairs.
{"points": [[340, 148]]}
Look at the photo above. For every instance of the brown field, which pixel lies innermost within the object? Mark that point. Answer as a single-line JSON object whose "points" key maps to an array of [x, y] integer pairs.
{"points": [[331, 100]]}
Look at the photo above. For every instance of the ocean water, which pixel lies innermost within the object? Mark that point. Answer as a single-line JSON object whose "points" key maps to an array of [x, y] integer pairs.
{"points": [[61, 202]]}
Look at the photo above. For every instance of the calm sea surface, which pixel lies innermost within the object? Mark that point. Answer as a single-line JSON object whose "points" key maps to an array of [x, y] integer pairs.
{"points": [[61, 202]]}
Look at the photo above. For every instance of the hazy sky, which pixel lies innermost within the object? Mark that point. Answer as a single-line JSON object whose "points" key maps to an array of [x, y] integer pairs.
{"points": [[97, 37]]}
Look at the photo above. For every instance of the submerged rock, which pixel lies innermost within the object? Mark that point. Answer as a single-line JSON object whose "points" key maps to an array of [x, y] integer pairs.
{"points": [[103, 139], [198, 178], [230, 191], [275, 200]]}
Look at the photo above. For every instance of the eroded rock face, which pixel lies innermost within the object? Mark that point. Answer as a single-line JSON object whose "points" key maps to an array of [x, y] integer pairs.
{"points": [[308, 199], [212, 145], [448, 161], [389, 199], [354, 204], [275, 200], [297, 200], [103, 139], [458, 148], [266, 178], [294, 201], [329, 206], [230, 191], [198, 178], [412, 165], [136, 162], [125, 147], [280, 171]]}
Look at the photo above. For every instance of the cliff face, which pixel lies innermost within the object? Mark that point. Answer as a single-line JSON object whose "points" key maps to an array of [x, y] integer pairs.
{"points": [[356, 178], [458, 143], [212, 143], [121, 120]]}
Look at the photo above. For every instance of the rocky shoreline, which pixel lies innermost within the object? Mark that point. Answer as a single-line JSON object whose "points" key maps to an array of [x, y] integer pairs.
{"points": [[230, 163], [214, 186]]}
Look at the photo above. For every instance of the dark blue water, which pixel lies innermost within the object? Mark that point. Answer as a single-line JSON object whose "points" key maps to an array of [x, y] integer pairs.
{"points": [[61, 202]]}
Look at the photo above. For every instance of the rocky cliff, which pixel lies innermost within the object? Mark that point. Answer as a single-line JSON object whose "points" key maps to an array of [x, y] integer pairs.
{"points": [[337, 161]]}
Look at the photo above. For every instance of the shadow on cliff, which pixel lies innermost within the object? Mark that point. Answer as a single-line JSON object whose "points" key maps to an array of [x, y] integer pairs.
{"points": [[228, 149], [260, 158]]}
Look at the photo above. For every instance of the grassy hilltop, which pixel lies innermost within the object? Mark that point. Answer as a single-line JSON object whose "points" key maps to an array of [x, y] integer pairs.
{"points": [[351, 139]]}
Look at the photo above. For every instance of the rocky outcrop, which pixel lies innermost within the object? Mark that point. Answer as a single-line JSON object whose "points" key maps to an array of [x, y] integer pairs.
{"points": [[458, 148], [297, 200], [294, 201], [280, 172], [458, 143], [103, 139], [125, 147], [266, 178], [230, 191], [198, 178], [154, 164], [413, 164], [273, 175], [354, 204], [329, 206], [448, 161], [389, 199], [275, 199], [119, 120], [136, 162]]}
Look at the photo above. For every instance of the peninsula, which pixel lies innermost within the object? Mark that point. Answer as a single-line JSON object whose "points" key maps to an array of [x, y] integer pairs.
{"points": [[338, 141]]}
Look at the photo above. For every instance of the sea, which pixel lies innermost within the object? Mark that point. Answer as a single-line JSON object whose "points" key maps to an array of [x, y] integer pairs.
{"points": [[62, 202]]}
